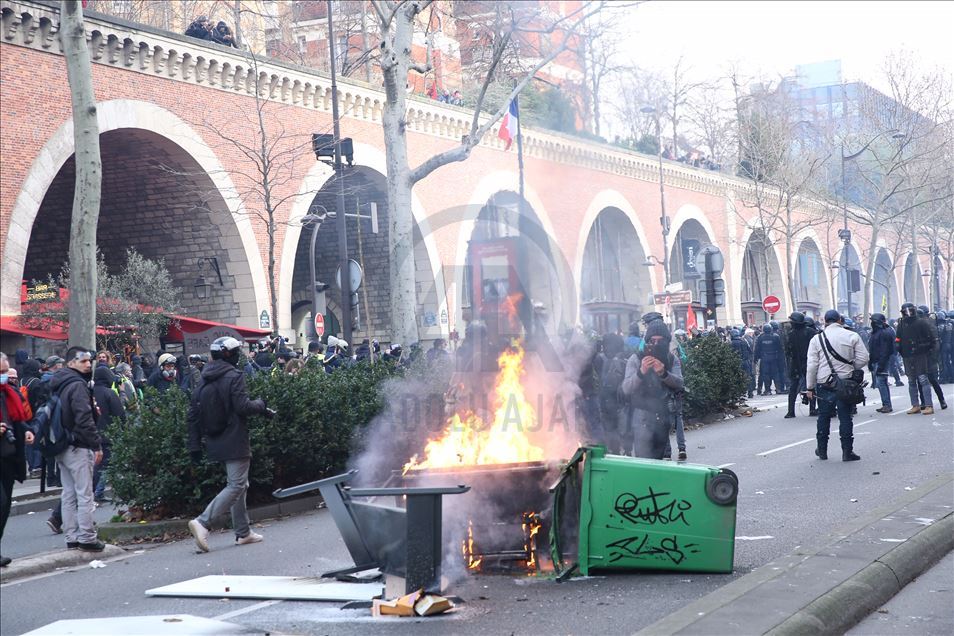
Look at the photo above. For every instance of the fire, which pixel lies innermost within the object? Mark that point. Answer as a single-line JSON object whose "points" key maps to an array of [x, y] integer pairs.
{"points": [[469, 549], [468, 440], [531, 527]]}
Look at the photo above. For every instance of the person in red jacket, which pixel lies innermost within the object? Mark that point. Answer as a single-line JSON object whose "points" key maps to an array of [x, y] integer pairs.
{"points": [[14, 434]]}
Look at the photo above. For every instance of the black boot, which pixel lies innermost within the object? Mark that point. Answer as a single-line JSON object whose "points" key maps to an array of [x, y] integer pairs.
{"points": [[847, 451], [821, 450], [789, 415]]}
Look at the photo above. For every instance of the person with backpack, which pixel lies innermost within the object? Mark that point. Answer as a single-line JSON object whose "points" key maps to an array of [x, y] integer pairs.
{"points": [[110, 409], [218, 419], [77, 413], [838, 355], [15, 434]]}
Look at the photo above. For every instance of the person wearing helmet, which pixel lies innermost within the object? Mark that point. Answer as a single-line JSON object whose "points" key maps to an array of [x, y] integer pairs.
{"points": [[934, 357], [164, 377], [218, 419], [881, 348], [768, 355], [916, 342], [796, 354], [945, 326]]}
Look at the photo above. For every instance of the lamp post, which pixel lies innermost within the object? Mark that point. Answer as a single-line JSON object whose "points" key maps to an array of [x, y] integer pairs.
{"points": [[316, 287], [663, 219], [845, 234]]}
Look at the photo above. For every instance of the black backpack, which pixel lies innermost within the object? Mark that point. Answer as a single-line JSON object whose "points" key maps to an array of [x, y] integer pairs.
{"points": [[52, 437], [211, 408]]}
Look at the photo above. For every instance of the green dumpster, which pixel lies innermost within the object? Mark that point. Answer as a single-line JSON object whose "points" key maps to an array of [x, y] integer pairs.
{"points": [[648, 514]]}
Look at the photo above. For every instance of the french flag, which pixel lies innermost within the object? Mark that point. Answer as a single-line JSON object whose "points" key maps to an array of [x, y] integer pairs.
{"points": [[508, 125]]}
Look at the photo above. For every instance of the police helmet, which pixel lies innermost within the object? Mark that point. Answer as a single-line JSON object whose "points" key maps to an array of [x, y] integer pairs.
{"points": [[923, 310], [797, 318], [767, 329], [908, 309], [878, 319]]}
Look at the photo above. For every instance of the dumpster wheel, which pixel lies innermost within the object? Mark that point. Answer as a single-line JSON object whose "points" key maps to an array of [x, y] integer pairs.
{"points": [[723, 489]]}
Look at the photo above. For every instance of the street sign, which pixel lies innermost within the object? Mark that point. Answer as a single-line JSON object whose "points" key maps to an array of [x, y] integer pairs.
{"points": [[356, 274], [264, 321], [718, 285], [771, 304], [676, 298], [320, 324], [716, 260]]}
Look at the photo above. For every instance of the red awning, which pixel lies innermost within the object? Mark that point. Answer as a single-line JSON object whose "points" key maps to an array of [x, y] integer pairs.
{"points": [[11, 324], [187, 324]]}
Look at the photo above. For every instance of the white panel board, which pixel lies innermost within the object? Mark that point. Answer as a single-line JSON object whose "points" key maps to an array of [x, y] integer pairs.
{"points": [[289, 588], [175, 625]]}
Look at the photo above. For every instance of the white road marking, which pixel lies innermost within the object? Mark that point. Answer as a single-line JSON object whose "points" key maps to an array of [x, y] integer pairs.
{"points": [[760, 538], [781, 448], [865, 422], [246, 610], [726, 465]]}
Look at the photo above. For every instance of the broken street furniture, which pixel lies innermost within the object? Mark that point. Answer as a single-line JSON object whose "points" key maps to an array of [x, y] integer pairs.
{"points": [[402, 542]]}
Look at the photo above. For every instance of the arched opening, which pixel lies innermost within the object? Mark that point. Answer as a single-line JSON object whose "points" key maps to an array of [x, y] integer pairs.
{"points": [[614, 284], [938, 300], [849, 282], [365, 196], [686, 246], [761, 277], [159, 201], [810, 289], [884, 288], [512, 267], [913, 288]]}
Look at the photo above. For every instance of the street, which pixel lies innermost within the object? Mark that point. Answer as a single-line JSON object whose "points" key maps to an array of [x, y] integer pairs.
{"points": [[787, 498]]}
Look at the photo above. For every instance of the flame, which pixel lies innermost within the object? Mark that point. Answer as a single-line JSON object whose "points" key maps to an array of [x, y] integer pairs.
{"points": [[531, 527], [468, 440], [469, 549]]}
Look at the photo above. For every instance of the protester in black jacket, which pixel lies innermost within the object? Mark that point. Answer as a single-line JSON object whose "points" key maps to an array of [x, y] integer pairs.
{"points": [[200, 28], [222, 394], [796, 353], [916, 343], [881, 348], [110, 409]]}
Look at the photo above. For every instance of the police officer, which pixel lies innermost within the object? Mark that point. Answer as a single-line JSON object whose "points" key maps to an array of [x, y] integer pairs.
{"points": [[935, 356], [916, 342], [796, 354], [768, 352], [881, 349], [945, 328]]}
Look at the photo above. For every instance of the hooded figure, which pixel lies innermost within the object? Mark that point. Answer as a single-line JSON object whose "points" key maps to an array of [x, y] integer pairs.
{"points": [[652, 378], [110, 410]]}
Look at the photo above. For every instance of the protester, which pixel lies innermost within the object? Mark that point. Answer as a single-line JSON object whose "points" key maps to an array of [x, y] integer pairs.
{"points": [[164, 377], [796, 353], [744, 351], [190, 378], [881, 348], [200, 28], [437, 354], [294, 367], [110, 409], [218, 419], [614, 422], [15, 434], [652, 376], [222, 34], [916, 344], [836, 351], [128, 393], [76, 463]]}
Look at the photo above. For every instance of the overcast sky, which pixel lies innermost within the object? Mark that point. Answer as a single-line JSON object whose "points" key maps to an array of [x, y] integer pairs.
{"points": [[774, 36]]}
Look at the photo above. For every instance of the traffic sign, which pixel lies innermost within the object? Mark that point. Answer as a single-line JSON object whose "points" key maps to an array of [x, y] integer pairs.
{"points": [[320, 324], [677, 298], [356, 273], [716, 260], [771, 304]]}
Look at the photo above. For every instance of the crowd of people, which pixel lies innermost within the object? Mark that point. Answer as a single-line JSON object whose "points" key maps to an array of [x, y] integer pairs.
{"points": [[220, 33], [444, 96]]}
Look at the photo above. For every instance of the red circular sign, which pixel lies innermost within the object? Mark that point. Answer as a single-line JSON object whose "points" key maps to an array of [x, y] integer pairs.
{"points": [[320, 325], [771, 304]]}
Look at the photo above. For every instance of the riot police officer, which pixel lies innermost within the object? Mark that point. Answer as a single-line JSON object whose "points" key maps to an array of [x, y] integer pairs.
{"points": [[768, 353]]}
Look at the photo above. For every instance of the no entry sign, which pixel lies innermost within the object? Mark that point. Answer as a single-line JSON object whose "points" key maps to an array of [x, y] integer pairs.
{"points": [[320, 324], [771, 304]]}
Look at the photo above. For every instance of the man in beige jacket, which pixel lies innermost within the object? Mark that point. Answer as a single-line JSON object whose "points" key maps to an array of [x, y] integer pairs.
{"points": [[846, 354]]}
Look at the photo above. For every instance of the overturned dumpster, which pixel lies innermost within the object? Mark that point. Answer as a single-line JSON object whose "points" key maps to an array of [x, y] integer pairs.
{"points": [[643, 514]]}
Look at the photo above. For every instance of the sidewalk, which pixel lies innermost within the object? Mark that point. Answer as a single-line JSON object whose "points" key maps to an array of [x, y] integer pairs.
{"points": [[830, 587]]}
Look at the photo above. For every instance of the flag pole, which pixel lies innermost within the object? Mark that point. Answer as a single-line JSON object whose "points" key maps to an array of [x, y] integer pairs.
{"points": [[519, 150]]}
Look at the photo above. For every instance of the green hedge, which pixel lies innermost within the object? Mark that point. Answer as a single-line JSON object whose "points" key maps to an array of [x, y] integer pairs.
{"points": [[319, 421], [714, 379]]}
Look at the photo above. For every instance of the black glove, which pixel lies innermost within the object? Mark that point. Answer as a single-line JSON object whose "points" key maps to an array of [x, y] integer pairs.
{"points": [[196, 457]]}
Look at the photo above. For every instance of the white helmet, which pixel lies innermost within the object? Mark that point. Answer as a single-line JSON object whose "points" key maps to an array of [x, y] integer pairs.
{"points": [[166, 358], [225, 343]]}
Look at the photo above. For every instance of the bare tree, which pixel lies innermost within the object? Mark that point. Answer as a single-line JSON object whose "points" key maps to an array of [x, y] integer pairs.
{"points": [[713, 123], [679, 87], [600, 41], [396, 24], [638, 88], [783, 172], [87, 191], [900, 171]]}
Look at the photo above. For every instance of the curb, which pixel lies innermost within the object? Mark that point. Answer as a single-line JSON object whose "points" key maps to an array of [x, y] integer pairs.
{"points": [[847, 604], [55, 560], [35, 504], [123, 532]]}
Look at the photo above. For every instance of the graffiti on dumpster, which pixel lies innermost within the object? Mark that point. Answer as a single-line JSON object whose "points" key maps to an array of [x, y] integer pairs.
{"points": [[641, 546], [653, 508]]}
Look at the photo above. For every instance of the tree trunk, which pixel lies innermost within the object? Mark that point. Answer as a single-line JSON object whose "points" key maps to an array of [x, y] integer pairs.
{"points": [[237, 18], [89, 169], [364, 43], [400, 218]]}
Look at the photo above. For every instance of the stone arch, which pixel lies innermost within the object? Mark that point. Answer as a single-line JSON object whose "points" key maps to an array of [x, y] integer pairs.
{"points": [[430, 279], [841, 281], [466, 219], [614, 286], [119, 120], [812, 294], [912, 285], [884, 288], [760, 275]]}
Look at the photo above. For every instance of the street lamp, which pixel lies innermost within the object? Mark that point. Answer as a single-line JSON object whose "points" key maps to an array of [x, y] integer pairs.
{"points": [[318, 213], [845, 234], [663, 219]]}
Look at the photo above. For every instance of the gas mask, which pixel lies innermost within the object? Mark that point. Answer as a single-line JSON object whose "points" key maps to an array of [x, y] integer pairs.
{"points": [[169, 374]]}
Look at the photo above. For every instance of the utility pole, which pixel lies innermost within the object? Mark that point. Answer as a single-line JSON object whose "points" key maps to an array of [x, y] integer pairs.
{"points": [[340, 207]]}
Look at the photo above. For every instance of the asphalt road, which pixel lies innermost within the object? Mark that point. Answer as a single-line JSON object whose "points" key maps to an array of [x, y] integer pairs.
{"points": [[787, 498]]}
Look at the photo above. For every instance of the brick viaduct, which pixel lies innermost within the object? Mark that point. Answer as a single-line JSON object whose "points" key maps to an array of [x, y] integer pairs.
{"points": [[174, 188]]}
